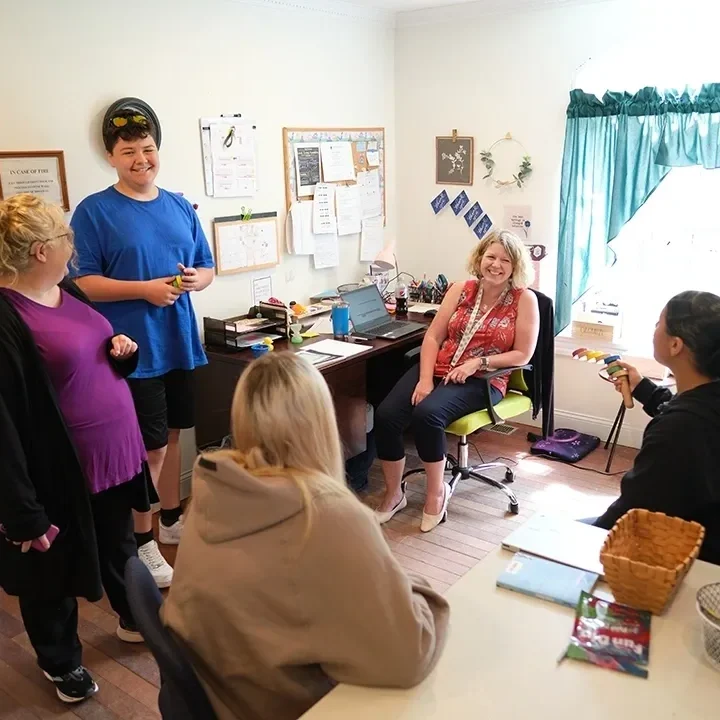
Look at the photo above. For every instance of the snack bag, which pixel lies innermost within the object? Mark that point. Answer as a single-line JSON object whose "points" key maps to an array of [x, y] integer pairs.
{"points": [[611, 635]]}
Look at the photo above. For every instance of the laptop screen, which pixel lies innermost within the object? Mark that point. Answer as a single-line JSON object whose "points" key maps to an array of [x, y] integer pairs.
{"points": [[366, 305]]}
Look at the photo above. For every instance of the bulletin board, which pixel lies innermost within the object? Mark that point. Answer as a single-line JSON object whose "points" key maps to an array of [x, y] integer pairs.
{"points": [[243, 245], [359, 137]]}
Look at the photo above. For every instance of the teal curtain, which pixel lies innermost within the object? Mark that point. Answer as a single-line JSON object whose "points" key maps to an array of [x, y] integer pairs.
{"points": [[617, 152]]}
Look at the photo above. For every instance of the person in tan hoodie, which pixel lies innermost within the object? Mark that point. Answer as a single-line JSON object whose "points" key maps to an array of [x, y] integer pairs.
{"points": [[311, 595]]}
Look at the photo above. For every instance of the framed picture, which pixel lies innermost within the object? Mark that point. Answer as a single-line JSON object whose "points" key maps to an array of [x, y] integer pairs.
{"points": [[40, 173], [454, 160]]}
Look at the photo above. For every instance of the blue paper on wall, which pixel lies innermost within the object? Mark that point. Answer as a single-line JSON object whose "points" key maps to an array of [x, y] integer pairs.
{"points": [[459, 202], [440, 201], [483, 227], [473, 214]]}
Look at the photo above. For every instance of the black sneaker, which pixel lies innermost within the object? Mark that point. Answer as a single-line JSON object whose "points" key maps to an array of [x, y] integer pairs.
{"points": [[75, 686]]}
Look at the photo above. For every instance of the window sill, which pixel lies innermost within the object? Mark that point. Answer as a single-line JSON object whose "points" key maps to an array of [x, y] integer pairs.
{"points": [[565, 345]]}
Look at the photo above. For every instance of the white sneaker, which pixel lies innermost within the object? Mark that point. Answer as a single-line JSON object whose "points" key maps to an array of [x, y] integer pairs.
{"points": [[161, 571], [171, 535]]}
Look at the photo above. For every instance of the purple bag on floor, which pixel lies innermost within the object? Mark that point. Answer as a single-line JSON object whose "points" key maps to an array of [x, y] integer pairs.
{"points": [[566, 445]]}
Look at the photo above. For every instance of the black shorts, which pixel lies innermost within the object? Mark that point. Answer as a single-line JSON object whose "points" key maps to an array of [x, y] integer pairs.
{"points": [[162, 403]]}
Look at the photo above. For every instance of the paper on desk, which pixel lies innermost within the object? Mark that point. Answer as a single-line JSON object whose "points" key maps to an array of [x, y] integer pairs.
{"points": [[423, 307], [301, 240], [339, 348], [323, 326], [327, 251], [324, 209], [372, 240], [337, 161], [370, 196], [347, 202]]}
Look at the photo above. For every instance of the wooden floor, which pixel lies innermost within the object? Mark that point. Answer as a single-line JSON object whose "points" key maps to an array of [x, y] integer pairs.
{"points": [[477, 522]]}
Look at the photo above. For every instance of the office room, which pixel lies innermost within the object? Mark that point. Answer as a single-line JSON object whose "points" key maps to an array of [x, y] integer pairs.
{"points": [[460, 260]]}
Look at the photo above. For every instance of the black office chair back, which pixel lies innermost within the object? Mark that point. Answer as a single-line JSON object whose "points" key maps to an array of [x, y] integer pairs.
{"points": [[182, 697]]}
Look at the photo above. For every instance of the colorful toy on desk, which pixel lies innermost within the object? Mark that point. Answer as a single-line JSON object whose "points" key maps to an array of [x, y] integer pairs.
{"points": [[296, 334], [613, 372]]}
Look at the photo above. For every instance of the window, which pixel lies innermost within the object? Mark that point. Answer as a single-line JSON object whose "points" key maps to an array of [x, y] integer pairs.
{"points": [[672, 244]]}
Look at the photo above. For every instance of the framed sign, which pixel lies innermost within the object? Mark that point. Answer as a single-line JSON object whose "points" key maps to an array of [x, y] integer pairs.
{"points": [[40, 173], [454, 160]]}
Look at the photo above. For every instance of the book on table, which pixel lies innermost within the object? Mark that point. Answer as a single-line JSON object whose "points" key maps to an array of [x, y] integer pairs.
{"points": [[547, 580]]}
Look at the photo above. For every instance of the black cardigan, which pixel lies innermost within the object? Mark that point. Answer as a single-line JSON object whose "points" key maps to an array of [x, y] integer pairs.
{"points": [[41, 481], [677, 470]]}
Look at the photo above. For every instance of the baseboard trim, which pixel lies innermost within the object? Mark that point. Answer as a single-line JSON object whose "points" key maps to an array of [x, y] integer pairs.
{"points": [[591, 425]]}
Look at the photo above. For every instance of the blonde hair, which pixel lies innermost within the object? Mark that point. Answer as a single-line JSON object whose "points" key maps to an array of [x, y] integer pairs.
{"points": [[522, 274], [284, 425], [25, 220]]}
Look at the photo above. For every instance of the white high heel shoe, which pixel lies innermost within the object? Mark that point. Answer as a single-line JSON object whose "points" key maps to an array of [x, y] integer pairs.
{"points": [[383, 517], [429, 522]]}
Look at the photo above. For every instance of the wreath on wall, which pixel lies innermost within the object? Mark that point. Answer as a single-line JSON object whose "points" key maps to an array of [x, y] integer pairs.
{"points": [[523, 172]]}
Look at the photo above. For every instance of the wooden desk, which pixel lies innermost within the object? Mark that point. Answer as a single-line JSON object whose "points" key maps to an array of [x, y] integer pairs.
{"points": [[500, 663], [353, 382]]}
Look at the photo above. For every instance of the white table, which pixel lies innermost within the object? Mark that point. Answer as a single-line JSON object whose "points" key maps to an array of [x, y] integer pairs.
{"points": [[500, 662]]}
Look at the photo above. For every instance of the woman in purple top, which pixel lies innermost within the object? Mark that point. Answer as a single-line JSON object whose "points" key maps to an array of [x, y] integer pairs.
{"points": [[72, 460]]}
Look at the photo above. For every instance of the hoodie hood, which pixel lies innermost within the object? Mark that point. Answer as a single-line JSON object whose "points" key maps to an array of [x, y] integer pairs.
{"points": [[703, 401], [229, 502]]}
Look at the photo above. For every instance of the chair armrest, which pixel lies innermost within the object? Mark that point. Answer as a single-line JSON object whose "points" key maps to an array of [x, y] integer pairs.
{"points": [[487, 377], [412, 356]]}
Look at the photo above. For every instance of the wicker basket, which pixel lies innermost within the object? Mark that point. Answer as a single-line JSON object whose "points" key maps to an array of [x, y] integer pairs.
{"points": [[646, 556]]}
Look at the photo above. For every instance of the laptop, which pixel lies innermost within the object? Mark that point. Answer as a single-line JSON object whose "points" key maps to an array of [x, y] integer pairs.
{"points": [[556, 538], [370, 317]]}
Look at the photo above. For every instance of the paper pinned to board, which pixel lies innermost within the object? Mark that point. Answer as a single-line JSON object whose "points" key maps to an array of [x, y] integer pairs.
{"points": [[337, 161], [301, 239], [373, 154], [327, 251], [307, 167], [347, 203], [370, 193], [323, 219], [372, 240]]}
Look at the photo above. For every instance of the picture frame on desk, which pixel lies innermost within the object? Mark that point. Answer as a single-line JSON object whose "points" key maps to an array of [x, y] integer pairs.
{"points": [[38, 172]]}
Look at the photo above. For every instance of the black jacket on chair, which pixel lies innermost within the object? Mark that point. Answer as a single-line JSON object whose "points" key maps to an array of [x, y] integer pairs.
{"points": [[540, 379], [41, 481]]}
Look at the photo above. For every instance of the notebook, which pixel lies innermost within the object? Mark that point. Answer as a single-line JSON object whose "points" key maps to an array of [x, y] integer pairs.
{"points": [[557, 538], [546, 579]]}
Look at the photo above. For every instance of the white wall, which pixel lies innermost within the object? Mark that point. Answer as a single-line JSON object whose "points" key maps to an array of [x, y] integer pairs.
{"points": [[487, 75], [281, 63], [276, 62]]}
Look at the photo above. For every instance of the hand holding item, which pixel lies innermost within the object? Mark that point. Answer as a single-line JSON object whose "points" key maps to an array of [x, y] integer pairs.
{"points": [[160, 292], [189, 280], [123, 347], [620, 376]]}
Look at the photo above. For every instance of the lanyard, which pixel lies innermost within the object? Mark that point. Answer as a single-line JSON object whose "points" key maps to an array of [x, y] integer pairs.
{"points": [[474, 324]]}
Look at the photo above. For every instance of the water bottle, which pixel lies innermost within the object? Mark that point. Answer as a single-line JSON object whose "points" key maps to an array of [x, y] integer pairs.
{"points": [[401, 299]]}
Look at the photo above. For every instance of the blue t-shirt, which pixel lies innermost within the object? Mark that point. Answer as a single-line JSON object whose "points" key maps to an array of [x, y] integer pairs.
{"points": [[125, 239]]}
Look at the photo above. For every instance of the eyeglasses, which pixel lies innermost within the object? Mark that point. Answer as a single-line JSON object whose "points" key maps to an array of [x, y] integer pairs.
{"points": [[123, 120]]}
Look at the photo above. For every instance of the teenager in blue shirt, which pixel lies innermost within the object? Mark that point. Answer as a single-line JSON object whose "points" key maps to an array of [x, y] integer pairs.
{"points": [[132, 240]]}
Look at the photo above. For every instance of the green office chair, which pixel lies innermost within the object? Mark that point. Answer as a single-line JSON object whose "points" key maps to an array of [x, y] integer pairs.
{"points": [[516, 402]]}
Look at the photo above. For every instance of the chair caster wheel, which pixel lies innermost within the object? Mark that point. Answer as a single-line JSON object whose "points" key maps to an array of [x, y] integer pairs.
{"points": [[514, 508], [509, 477]]}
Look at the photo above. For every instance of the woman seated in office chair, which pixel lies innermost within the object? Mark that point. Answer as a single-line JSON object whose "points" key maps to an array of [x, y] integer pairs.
{"points": [[311, 594], [488, 323], [677, 470]]}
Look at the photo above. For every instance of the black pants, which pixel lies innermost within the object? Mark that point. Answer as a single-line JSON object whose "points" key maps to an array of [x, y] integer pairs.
{"points": [[428, 420], [52, 622]]}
